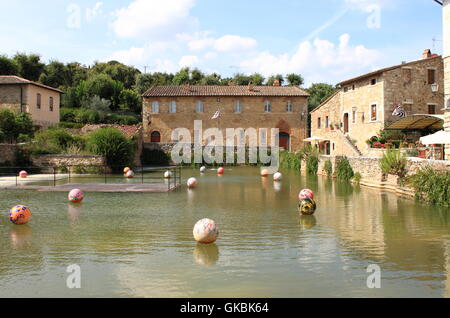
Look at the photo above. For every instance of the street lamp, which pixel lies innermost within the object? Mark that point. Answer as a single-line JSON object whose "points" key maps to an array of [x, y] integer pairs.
{"points": [[434, 87]]}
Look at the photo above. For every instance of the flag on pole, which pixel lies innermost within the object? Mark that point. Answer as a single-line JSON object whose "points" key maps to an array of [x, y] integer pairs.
{"points": [[216, 115]]}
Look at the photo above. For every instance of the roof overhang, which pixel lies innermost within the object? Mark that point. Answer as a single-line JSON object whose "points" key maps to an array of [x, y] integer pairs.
{"points": [[318, 139], [418, 122], [439, 138]]}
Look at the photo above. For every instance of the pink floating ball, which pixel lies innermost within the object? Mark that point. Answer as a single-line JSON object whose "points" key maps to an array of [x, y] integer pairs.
{"points": [[264, 173], [126, 170], [76, 196], [23, 174], [306, 194], [129, 174], [192, 183], [20, 215], [206, 231], [220, 170]]}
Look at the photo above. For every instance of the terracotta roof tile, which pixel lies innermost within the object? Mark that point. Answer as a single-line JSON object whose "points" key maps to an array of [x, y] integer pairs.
{"points": [[196, 91], [15, 80]]}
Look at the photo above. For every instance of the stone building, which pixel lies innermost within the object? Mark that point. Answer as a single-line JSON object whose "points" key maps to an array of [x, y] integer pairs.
{"points": [[446, 36], [166, 108], [364, 105], [40, 101]]}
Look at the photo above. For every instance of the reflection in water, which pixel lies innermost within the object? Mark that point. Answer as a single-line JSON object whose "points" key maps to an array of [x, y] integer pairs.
{"points": [[307, 222], [74, 210], [206, 254], [277, 186], [21, 236]]}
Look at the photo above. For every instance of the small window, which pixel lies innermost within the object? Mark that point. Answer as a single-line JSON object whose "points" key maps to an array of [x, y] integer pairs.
{"points": [[432, 109], [327, 123], [354, 117], [289, 107], [155, 107], [373, 112], [50, 104], [353, 87], [38, 101], [345, 89], [173, 107], [318, 123], [431, 77], [238, 107], [199, 108], [373, 81], [267, 106]]}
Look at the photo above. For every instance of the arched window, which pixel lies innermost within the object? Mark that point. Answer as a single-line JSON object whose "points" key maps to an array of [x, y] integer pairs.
{"points": [[50, 104], [267, 106], [155, 137], [155, 107]]}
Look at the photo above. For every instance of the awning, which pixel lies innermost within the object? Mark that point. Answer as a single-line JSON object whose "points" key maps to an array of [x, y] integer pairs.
{"points": [[318, 139], [417, 122], [439, 138]]}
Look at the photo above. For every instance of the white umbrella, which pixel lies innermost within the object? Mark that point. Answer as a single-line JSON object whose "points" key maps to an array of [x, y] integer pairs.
{"points": [[439, 138]]}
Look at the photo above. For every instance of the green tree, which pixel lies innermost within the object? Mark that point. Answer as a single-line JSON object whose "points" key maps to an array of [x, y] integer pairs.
{"points": [[271, 80], [99, 105], [295, 80], [29, 66], [182, 77], [130, 100], [103, 86], [8, 66], [212, 79], [145, 81], [55, 74], [318, 94], [117, 71], [24, 125], [8, 124]]}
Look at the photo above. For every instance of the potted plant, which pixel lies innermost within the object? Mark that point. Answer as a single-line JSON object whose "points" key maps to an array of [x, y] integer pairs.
{"points": [[331, 127], [378, 145]]}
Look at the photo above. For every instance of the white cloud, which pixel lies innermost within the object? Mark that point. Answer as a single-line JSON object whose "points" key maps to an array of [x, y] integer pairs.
{"points": [[154, 19], [188, 61], [226, 43], [131, 56], [320, 60], [368, 5], [92, 13]]}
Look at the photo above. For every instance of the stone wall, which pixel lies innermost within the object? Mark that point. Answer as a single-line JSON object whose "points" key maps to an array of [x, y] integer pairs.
{"points": [[68, 160], [252, 116], [7, 154], [372, 176]]}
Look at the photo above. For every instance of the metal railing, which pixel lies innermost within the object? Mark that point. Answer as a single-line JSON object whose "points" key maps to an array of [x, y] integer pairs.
{"points": [[59, 175]]}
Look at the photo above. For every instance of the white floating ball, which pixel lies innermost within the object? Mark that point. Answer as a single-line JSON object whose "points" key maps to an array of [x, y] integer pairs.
{"points": [[168, 174], [278, 176], [203, 169], [129, 174], [192, 183], [206, 231]]}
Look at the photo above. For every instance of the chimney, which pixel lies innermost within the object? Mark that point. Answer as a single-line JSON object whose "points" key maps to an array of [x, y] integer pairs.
{"points": [[426, 54], [276, 82], [250, 87]]}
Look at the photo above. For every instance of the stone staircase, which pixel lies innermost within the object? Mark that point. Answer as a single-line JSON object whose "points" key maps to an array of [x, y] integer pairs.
{"points": [[349, 144]]}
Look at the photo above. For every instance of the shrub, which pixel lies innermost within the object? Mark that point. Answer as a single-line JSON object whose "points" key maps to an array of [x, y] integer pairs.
{"points": [[69, 125], [431, 186], [344, 171], [357, 177], [312, 163], [393, 162], [52, 141], [328, 167], [113, 145], [290, 160]]}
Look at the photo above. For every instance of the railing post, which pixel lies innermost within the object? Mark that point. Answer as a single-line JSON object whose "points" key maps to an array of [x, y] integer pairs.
{"points": [[142, 173], [54, 177], [69, 173], [104, 170]]}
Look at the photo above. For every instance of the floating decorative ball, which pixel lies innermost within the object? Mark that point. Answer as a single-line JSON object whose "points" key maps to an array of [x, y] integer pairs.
{"points": [[126, 170], [277, 176], [206, 231], [264, 173], [306, 193], [203, 169], [307, 206], [76, 196], [168, 174], [23, 174], [20, 214], [221, 170], [129, 174], [192, 183]]}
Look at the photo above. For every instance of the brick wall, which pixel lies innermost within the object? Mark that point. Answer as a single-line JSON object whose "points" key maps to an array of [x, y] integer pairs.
{"points": [[252, 116], [67, 160]]}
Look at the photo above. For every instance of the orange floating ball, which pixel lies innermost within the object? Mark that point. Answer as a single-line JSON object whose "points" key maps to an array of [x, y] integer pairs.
{"points": [[129, 174], [264, 173], [23, 174], [126, 170], [221, 170], [20, 215]]}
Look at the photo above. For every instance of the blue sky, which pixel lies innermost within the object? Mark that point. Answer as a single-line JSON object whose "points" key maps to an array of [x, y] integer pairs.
{"points": [[325, 40]]}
